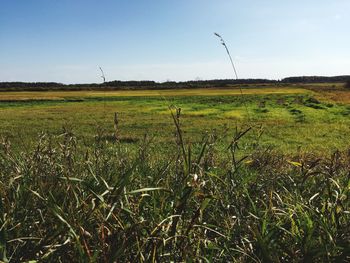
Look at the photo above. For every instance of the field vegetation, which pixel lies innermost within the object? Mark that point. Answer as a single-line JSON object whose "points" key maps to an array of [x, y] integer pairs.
{"points": [[192, 175], [292, 117]]}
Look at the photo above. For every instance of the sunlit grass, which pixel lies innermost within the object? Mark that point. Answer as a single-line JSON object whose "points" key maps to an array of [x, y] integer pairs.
{"points": [[216, 181], [289, 119]]}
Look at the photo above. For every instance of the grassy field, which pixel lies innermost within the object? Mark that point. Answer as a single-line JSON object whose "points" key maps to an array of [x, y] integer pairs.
{"points": [[229, 178], [311, 118]]}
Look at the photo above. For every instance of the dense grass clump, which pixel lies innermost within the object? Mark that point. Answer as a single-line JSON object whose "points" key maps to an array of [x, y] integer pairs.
{"points": [[65, 203]]}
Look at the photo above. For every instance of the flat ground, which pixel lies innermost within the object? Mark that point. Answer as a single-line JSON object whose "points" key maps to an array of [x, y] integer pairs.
{"points": [[297, 117]]}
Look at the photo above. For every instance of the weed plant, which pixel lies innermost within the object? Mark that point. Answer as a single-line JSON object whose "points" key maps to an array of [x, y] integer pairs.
{"points": [[347, 85]]}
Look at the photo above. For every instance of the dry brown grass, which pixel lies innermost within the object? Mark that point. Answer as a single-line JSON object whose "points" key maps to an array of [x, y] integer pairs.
{"points": [[339, 96]]}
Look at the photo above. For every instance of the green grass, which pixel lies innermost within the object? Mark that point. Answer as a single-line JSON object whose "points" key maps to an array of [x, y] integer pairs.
{"points": [[258, 178], [290, 116]]}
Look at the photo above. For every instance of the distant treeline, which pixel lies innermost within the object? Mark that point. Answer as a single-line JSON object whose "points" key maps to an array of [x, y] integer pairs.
{"points": [[125, 85], [316, 79]]}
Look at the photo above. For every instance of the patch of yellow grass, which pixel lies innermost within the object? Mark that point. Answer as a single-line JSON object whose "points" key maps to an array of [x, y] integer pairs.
{"points": [[236, 114], [202, 112]]}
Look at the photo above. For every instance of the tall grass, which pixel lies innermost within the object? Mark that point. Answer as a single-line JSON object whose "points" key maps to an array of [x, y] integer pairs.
{"points": [[62, 202]]}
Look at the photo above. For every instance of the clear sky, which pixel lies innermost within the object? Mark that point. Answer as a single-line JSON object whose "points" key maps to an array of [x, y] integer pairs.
{"points": [[66, 40]]}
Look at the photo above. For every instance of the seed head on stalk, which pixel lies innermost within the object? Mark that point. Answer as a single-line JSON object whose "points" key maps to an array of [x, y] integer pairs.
{"points": [[228, 53], [234, 69], [104, 92], [103, 75]]}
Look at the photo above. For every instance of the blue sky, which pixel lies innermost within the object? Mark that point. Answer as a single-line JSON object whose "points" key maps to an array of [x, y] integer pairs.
{"points": [[66, 40]]}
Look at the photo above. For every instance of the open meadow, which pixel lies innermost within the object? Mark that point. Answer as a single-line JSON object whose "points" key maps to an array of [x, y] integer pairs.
{"points": [[309, 118], [261, 176]]}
